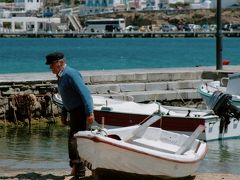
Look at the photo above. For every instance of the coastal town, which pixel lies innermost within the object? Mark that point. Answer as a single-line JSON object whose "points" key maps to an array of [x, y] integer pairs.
{"points": [[94, 17], [162, 121]]}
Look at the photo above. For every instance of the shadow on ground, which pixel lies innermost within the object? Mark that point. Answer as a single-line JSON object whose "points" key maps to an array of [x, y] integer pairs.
{"points": [[99, 175], [103, 174], [37, 176], [34, 176]]}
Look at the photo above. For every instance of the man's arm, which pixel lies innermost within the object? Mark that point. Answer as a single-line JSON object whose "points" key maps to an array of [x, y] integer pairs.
{"points": [[84, 92], [64, 116]]}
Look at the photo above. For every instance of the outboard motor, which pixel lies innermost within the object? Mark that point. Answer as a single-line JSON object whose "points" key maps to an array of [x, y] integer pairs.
{"points": [[222, 106]]}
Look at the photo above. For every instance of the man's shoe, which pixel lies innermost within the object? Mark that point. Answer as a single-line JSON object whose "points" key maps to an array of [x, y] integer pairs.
{"points": [[74, 170], [78, 171], [80, 174]]}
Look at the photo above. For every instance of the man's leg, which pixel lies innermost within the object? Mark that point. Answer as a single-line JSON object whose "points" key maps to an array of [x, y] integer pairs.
{"points": [[77, 123], [78, 168]]}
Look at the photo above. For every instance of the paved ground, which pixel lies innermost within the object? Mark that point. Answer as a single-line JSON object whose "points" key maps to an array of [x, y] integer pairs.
{"points": [[44, 76]]}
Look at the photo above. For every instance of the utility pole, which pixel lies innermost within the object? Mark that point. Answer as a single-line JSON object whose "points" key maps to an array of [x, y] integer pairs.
{"points": [[219, 36]]}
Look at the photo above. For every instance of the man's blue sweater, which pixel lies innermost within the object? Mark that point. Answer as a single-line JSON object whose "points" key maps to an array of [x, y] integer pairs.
{"points": [[73, 91]]}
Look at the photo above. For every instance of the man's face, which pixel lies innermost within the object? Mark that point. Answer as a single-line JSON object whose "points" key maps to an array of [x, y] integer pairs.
{"points": [[56, 67]]}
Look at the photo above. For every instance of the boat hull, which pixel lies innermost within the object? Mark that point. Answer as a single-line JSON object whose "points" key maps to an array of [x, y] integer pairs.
{"points": [[227, 130], [206, 90], [183, 120], [107, 153], [186, 125]]}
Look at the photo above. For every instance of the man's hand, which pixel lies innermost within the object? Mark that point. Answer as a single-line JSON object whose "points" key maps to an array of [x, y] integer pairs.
{"points": [[64, 120], [90, 119]]}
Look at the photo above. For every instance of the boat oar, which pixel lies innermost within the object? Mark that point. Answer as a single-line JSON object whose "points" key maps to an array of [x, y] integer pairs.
{"points": [[142, 128], [188, 143]]}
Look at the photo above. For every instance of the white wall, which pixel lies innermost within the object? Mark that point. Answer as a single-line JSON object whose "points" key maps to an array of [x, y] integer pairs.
{"points": [[33, 4], [29, 4], [175, 1]]}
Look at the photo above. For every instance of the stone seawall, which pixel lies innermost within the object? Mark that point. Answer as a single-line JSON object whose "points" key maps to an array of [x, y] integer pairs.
{"points": [[140, 85]]}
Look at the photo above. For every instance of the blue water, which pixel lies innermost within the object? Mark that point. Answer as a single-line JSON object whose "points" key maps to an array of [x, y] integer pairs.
{"points": [[28, 54]]}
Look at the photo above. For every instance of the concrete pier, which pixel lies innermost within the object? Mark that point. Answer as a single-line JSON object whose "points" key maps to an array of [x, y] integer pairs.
{"points": [[76, 34], [140, 84]]}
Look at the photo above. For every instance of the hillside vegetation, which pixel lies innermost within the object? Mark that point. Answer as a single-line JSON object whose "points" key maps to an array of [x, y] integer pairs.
{"points": [[156, 18]]}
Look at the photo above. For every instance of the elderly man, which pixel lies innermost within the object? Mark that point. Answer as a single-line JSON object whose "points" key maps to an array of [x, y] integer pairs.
{"points": [[77, 101]]}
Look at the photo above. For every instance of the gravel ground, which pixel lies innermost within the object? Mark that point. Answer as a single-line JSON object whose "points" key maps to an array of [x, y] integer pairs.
{"points": [[64, 175]]}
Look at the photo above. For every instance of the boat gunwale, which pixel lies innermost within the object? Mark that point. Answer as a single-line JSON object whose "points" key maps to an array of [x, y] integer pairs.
{"points": [[110, 141], [201, 89]]}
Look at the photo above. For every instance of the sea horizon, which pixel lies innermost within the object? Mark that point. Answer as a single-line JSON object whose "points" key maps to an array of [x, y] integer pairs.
{"points": [[23, 55]]}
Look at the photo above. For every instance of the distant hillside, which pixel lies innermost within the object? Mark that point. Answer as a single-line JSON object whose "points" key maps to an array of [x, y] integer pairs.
{"points": [[175, 17]]}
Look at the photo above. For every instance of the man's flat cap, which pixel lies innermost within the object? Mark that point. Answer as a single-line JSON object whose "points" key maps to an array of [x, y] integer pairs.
{"points": [[53, 57]]}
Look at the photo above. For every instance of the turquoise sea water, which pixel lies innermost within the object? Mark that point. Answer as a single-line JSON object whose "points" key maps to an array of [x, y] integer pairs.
{"points": [[28, 54]]}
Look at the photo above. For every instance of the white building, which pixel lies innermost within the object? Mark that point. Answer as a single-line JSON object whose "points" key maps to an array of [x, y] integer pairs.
{"points": [[207, 4], [175, 1], [104, 6], [28, 24], [29, 4], [5, 13], [96, 6]]}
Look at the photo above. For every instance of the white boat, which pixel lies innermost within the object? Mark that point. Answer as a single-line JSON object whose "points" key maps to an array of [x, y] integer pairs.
{"points": [[143, 150], [229, 85], [119, 113]]}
